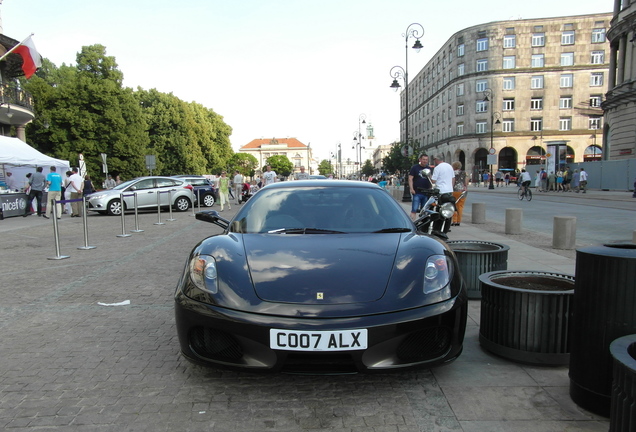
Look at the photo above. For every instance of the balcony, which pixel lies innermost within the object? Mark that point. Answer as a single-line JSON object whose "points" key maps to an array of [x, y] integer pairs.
{"points": [[16, 105]]}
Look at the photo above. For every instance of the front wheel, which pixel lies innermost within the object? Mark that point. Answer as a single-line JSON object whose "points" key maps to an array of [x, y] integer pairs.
{"points": [[529, 195], [208, 200], [115, 207], [182, 204], [520, 193]]}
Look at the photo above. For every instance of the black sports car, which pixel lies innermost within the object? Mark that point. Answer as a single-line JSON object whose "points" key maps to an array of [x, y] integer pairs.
{"points": [[320, 275]]}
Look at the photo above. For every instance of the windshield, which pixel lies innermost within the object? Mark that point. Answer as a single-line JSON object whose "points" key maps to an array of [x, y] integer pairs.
{"points": [[323, 209]]}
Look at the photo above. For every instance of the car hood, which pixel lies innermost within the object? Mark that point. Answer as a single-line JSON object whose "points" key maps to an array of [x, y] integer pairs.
{"points": [[321, 269]]}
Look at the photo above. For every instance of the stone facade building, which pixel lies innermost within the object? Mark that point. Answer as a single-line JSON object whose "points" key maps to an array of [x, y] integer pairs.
{"points": [[298, 153], [529, 89]]}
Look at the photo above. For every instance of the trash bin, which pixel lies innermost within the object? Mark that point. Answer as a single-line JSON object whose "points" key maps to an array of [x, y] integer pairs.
{"points": [[477, 257], [604, 310], [623, 410], [525, 315]]}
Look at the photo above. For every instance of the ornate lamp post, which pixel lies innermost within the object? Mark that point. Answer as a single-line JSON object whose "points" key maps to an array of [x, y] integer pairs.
{"points": [[494, 119], [415, 31], [357, 144]]}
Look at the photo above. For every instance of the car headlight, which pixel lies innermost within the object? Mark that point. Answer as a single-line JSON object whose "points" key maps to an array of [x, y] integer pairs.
{"points": [[447, 210], [96, 196], [203, 273], [437, 275]]}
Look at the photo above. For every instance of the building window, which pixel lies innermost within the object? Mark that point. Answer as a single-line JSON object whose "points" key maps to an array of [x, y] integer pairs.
{"points": [[594, 123], [598, 57], [481, 85], [480, 127], [509, 62], [482, 44], [460, 50], [595, 101], [537, 60], [509, 41], [536, 82], [482, 106], [460, 110], [536, 124], [460, 89], [482, 65], [596, 79], [508, 104], [460, 129], [538, 39], [536, 103], [508, 83], [567, 59], [565, 123], [598, 35], [567, 37], [460, 69], [565, 102], [566, 80], [508, 125]]}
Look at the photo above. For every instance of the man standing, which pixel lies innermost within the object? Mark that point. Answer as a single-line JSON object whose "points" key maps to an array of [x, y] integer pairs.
{"points": [[418, 184], [12, 184], [302, 175], [54, 181], [238, 186], [583, 180], [269, 176], [37, 183], [443, 176], [76, 184], [110, 182]]}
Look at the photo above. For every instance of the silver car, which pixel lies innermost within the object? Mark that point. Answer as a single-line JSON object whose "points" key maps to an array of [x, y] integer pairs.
{"points": [[169, 191]]}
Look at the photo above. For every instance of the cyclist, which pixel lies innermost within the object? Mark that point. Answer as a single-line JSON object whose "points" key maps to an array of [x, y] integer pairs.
{"points": [[525, 180]]}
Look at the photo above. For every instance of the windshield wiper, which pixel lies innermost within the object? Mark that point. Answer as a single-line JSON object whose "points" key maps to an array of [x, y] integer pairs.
{"points": [[393, 230], [303, 231]]}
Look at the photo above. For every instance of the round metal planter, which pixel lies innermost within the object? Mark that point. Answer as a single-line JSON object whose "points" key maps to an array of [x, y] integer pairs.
{"points": [[477, 257], [623, 409], [605, 310], [525, 315]]}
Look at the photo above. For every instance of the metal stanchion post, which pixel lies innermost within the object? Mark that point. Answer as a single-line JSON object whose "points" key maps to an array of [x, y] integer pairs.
{"points": [[136, 230], [170, 206], [159, 210], [84, 220], [198, 192], [123, 223], [56, 234]]}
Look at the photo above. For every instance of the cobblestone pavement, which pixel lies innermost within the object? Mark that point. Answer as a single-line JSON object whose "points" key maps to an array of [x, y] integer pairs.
{"points": [[69, 363]]}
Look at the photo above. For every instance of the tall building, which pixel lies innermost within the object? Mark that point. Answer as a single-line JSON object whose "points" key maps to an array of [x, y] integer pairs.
{"points": [[620, 102], [298, 153], [527, 91]]}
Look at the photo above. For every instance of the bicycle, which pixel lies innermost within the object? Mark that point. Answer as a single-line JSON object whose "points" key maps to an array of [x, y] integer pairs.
{"points": [[525, 192]]}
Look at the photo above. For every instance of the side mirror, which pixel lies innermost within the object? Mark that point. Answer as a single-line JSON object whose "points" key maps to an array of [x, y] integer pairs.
{"points": [[212, 216]]}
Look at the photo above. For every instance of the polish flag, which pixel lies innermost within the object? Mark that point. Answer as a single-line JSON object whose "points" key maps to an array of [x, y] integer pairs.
{"points": [[31, 59]]}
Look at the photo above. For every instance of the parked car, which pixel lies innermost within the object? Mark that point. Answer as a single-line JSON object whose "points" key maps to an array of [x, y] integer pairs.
{"points": [[147, 190], [320, 275], [317, 177], [203, 189]]}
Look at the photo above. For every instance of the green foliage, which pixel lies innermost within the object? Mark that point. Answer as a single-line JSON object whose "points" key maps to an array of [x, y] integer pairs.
{"points": [[368, 169], [394, 162], [325, 167], [281, 164], [244, 162]]}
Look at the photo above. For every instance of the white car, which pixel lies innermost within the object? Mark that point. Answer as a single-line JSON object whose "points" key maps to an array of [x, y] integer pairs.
{"points": [[169, 191]]}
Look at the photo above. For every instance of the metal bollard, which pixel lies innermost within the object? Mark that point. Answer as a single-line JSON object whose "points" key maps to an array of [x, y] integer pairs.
{"points": [[170, 206], [85, 222], [123, 223], [159, 210], [56, 235], [136, 230], [514, 217]]}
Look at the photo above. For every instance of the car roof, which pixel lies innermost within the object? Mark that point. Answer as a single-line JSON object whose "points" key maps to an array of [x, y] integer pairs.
{"points": [[323, 183]]}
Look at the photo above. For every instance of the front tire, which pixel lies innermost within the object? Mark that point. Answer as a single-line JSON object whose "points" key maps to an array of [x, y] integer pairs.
{"points": [[182, 204], [208, 200], [115, 207], [529, 195], [520, 193]]}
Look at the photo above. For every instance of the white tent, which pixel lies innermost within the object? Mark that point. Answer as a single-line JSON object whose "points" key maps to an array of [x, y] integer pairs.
{"points": [[19, 158]]}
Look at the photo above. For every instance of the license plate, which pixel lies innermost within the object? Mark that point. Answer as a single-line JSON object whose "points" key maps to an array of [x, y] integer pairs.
{"points": [[335, 340]]}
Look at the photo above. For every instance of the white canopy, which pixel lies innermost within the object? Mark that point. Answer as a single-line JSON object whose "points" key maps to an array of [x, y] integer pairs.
{"points": [[19, 158]]}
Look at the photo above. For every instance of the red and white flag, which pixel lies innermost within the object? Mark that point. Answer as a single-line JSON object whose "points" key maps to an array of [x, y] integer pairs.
{"points": [[31, 59]]}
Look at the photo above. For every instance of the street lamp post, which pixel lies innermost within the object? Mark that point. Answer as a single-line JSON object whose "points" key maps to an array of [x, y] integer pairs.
{"points": [[494, 119], [357, 138], [416, 31]]}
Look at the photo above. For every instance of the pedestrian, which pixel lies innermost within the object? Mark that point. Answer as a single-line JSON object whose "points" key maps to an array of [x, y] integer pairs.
{"points": [[507, 179], [419, 184], [118, 180], [583, 180], [460, 186], [66, 193], [443, 176], [559, 181], [567, 179], [269, 176], [37, 182], [224, 190], [552, 181], [238, 186], [576, 177], [486, 177], [12, 182], [54, 182], [498, 177], [537, 181], [544, 180], [110, 182], [88, 186], [75, 184], [302, 175]]}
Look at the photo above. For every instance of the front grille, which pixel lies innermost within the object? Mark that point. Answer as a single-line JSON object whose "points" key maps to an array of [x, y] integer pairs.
{"points": [[427, 344], [315, 363], [215, 344]]}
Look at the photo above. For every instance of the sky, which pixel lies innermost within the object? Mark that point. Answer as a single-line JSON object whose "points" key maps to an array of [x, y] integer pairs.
{"points": [[286, 68]]}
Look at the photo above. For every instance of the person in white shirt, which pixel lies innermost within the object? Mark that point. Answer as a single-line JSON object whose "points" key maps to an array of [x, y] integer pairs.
{"points": [[269, 176], [302, 175], [76, 184], [583, 181], [443, 175], [12, 183], [238, 186]]}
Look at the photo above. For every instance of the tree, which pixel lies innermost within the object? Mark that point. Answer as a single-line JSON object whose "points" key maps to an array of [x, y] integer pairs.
{"points": [[395, 162], [244, 162], [367, 168], [281, 164], [325, 167]]}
